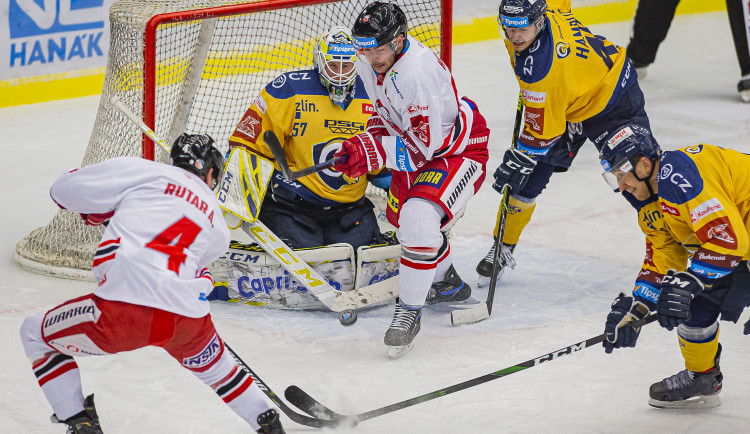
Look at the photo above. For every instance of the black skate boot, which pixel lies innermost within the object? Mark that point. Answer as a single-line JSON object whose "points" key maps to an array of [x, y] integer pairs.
{"points": [[688, 389], [451, 288], [484, 267], [743, 87], [85, 422], [269, 423], [404, 327]]}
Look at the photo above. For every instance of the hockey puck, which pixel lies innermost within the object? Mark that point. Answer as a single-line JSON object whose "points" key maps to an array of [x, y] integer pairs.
{"points": [[348, 317]]}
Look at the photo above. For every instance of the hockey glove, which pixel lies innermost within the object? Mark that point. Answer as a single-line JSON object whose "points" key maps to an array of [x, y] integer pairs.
{"points": [[677, 291], [365, 155], [514, 171], [617, 330], [96, 219], [376, 127]]}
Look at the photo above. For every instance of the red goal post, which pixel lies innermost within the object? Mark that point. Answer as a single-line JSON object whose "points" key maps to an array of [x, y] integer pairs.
{"points": [[195, 66]]}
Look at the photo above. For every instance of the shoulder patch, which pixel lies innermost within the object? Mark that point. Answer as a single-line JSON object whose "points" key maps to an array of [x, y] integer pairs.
{"points": [[678, 179], [293, 83]]}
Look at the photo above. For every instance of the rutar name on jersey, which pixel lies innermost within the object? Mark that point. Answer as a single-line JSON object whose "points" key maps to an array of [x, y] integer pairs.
{"points": [[191, 198]]}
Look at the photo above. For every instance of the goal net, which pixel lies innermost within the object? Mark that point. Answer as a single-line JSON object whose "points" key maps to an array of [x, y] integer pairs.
{"points": [[195, 66]]}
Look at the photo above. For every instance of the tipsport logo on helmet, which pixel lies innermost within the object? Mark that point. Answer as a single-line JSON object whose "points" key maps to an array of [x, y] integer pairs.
{"points": [[361, 43], [341, 49], [514, 21]]}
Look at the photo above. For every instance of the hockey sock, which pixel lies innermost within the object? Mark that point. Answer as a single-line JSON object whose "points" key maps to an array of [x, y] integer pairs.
{"points": [[444, 261], [60, 380], [236, 389], [519, 215], [698, 346]]}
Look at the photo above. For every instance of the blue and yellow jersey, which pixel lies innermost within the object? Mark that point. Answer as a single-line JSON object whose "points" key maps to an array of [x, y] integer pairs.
{"points": [[296, 107], [704, 193], [662, 251], [567, 75]]}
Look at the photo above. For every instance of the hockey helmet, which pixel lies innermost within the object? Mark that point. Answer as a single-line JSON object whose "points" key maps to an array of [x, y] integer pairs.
{"points": [[620, 149], [334, 56], [197, 154], [521, 13], [379, 24]]}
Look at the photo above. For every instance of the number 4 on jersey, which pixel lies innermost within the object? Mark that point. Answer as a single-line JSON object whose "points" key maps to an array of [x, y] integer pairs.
{"points": [[173, 241]]}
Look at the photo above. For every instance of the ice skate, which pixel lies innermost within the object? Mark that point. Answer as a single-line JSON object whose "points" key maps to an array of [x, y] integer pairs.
{"points": [[743, 87], [484, 267], [688, 389], [85, 422], [451, 288], [269, 423], [404, 327]]}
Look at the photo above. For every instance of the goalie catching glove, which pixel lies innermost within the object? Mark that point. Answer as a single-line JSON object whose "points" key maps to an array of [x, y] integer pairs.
{"points": [[364, 152], [618, 331]]}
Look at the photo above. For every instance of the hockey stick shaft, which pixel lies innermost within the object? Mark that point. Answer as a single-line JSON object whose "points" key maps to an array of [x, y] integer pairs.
{"points": [[306, 403], [278, 154], [116, 103], [291, 414], [482, 312]]}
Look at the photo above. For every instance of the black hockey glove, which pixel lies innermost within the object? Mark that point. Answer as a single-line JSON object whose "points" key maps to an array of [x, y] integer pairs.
{"points": [[514, 171], [618, 331], [677, 291]]}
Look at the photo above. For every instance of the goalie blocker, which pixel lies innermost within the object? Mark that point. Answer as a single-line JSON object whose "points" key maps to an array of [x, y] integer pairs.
{"points": [[247, 274]]}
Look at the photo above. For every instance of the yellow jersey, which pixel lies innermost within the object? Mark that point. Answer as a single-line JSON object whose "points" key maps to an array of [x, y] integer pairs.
{"points": [[296, 107], [567, 75]]}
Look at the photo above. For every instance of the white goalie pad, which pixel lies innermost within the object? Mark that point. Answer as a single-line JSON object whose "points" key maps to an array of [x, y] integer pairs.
{"points": [[246, 274]]}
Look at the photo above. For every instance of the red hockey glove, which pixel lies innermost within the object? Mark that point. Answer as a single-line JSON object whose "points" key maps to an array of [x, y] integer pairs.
{"points": [[96, 219], [376, 127], [365, 155]]}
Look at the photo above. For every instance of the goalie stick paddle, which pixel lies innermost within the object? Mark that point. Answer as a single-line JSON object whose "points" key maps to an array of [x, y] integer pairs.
{"points": [[310, 405], [291, 414], [278, 154], [483, 311]]}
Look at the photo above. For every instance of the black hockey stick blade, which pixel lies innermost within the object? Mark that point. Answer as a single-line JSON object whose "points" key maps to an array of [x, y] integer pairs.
{"points": [[278, 154], [310, 405], [291, 414]]}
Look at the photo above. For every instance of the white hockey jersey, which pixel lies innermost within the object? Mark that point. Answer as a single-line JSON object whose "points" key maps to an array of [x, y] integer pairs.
{"points": [[418, 103], [167, 228]]}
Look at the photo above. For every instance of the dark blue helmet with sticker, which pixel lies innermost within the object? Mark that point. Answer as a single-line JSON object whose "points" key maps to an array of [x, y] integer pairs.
{"points": [[522, 13], [379, 24], [621, 147], [197, 154]]}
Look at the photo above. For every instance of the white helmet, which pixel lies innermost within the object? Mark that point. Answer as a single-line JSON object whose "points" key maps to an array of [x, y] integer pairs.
{"points": [[334, 61]]}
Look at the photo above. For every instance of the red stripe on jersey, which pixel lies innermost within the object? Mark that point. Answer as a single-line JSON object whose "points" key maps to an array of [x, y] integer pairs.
{"points": [[108, 242], [99, 261], [63, 368]]}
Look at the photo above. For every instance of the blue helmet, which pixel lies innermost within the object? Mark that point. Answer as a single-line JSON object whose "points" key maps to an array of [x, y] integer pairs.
{"points": [[197, 154], [620, 148], [522, 13]]}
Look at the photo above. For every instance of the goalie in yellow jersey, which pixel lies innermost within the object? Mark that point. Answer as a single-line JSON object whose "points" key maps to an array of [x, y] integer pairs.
{"points": [[312, 112], [694, 207], [575, 86]]}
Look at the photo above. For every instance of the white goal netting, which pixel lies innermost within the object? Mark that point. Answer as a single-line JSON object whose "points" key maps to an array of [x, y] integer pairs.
{"points": [[195, 66]]}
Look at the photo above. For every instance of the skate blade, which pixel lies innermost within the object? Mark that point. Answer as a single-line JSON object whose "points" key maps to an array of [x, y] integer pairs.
{"points": [[483, 282], [703, 401], [397, 351]]}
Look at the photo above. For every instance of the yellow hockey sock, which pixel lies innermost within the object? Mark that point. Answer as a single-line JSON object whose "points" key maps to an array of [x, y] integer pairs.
{"points": [[519, 215], [699, 355]]}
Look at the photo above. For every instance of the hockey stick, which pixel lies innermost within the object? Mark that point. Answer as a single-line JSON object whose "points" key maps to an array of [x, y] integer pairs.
{"points": [[310, 405], [278, 154], [291, 414], [483, 311], [115, 102], [316, 285]]}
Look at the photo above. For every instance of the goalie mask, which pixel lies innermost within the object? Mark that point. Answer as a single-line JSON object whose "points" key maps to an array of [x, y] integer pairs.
{"points": [[334, 62], [621, 150], [197, 154]]}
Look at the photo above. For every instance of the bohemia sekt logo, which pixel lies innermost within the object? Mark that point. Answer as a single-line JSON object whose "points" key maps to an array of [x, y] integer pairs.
{"points": [[54, 31]]}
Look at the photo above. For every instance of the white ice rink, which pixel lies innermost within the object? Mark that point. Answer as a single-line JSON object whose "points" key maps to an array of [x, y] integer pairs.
{"points": [[582, 248]]}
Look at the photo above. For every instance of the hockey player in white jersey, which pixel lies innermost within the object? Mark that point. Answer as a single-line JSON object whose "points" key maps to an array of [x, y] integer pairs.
{"points": [[436, 144], [164, 228]]}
